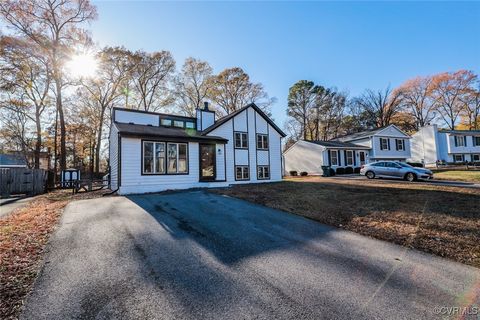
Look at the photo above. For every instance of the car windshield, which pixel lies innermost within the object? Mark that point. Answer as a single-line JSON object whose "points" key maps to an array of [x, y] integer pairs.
{"points": [[404, 165]]}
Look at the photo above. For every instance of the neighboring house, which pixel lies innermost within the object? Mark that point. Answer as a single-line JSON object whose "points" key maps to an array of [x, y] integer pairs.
{"points": [[26, 160], [431, 144], [12, 161], [387, 143], [310, 156], [151, 152]]}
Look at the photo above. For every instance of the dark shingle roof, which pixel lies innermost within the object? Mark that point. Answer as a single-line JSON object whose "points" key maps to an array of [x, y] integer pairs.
{"points": [[359, 135], [222, 120], [156, 131], [339, 144], [460, 131]]}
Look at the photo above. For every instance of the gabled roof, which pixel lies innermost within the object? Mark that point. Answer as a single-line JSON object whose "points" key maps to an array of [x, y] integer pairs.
{"points": [[339, 144], [460, 131], [223, 120], [141, 130], [366, 133]]}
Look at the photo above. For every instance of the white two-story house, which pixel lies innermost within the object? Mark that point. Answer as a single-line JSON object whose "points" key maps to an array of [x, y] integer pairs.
{"points": [[354, 150], [151, 152], [431, 145]]}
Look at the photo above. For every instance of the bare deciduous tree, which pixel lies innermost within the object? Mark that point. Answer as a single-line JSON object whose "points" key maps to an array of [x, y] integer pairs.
{"points": [[379, 106], [416, 96]]}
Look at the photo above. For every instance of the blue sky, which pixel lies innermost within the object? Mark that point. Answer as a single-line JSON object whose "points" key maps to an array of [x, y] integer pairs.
{"points": [[348, 45]]}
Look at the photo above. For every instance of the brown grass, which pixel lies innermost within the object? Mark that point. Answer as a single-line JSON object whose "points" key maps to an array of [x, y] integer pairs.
{"points": [[441, 220], [23, 236]]}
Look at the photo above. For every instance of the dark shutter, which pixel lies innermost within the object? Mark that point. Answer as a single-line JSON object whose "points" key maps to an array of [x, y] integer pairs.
{"points": [[388, 143], [396, 144], [465, 141], [455, 141], [345, 154], [381, 144], [354, 158], [329, 157], [339, 159]]}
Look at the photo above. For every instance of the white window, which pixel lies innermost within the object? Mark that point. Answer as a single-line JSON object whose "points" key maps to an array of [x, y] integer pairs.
{"points": [[166, 122], [241, 140], [476, 141], [349, 154], [262, 141], [177, 123], [458, 157], [384, 144], [263, 172], [459, 141], [476, 157], [333, 158], [242, 173], [400, 144], [189, 125], [158, 160]]}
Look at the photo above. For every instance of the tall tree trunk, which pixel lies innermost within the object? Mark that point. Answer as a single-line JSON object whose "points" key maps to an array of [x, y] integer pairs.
{"points": [[63, 132], [99, 142], [38, 143]]}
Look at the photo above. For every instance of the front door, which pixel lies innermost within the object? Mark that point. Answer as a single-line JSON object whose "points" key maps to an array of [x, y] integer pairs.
{"points": [[362, 157], [207, 162]]}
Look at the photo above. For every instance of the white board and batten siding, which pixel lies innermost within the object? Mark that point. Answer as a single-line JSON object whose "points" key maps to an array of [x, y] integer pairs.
{"points": [[251, 122], [133, 181]]}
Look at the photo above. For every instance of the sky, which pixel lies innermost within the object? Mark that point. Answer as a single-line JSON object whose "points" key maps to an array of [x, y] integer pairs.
{"points": [[348, 45]]}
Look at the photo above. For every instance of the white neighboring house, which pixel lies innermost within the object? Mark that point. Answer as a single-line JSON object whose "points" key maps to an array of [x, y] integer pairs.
{"points": [[431, 144], [387, 143], [310, 156], [152, 152], [354, 150]]}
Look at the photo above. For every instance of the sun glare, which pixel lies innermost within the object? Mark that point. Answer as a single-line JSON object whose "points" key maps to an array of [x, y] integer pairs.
{"points": [[82, 65]]}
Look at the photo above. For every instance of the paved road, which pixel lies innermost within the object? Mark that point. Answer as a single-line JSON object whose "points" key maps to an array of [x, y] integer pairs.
{"points": [[195, 255], [9, 204]]}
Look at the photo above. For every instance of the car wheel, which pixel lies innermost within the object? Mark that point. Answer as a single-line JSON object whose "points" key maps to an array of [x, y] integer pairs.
{"points": [[410, 177], [370, 175]]}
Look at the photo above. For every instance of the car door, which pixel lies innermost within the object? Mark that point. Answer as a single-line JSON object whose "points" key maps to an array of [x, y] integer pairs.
{"points": [[393, 170], [379, 168]]}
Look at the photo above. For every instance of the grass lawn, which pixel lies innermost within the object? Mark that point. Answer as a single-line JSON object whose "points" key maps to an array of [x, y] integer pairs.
{"points": [[441, 220], [23, 236], [458, 175]]}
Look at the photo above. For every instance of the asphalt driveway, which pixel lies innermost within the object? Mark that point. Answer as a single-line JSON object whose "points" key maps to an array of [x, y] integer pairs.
{"points": [[196, 255]]}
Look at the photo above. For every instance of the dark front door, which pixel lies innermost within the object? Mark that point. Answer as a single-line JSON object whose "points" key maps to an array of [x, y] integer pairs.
{"points": [[207, 162]]}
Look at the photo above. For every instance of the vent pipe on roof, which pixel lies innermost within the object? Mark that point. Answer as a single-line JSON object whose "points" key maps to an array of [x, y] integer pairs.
{"points": [[205, 104]]}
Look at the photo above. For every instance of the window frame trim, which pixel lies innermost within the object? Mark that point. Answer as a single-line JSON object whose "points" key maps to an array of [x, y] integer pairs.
{"points": [[268, 142], [248, 170], [258, 172], [166, 142], [346, 158], [235, 140]]}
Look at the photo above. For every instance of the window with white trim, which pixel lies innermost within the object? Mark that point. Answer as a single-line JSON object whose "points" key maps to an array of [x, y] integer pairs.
{"points": [[475, 157], [459, 141], [458, 157], [333, 158], [400, 144], [384, 144], [349, 154], [163, 158], [241, 140], [262, 141], [242, 173], [476, 141], [263, 172]]}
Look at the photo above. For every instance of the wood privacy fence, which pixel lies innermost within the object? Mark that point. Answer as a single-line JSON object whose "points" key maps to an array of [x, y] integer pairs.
{"points": [[22, 180]]}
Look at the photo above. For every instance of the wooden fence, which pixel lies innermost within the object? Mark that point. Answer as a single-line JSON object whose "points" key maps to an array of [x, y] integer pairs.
{"points": [[22, 180]]}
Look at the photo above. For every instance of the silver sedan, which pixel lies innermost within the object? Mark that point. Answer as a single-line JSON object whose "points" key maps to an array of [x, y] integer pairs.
{"points": [[395, 169]]}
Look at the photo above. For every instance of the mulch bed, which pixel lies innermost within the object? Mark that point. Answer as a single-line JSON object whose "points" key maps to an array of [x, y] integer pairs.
{"points": [[23, 237]]}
